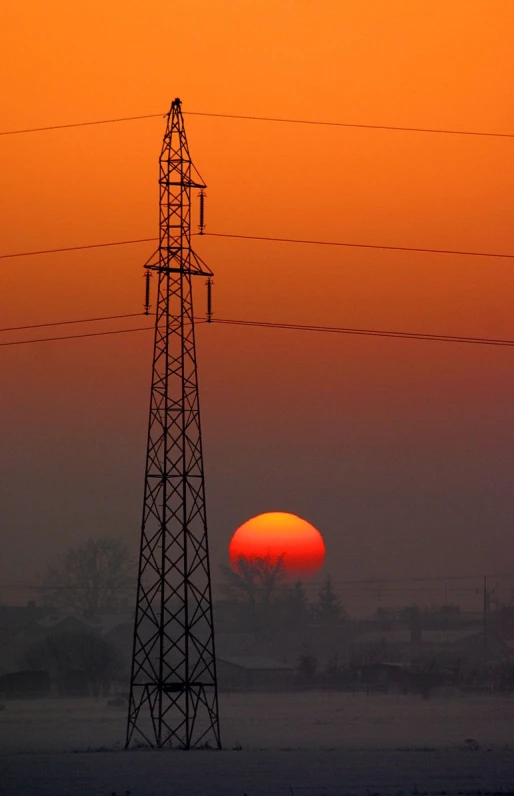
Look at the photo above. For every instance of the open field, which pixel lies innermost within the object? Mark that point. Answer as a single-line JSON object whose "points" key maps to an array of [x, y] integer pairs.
{"points": [[313, 743], [274, 773], [295, 720]]}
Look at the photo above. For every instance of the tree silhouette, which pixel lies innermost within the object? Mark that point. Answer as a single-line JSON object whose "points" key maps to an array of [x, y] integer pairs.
{"points": [[97, 577], [79, 656], [254, 582], [328, 608], [296, 604], [307, 666]]}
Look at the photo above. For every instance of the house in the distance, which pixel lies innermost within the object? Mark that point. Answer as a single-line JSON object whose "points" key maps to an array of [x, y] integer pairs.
{"points": [[253, 674]]}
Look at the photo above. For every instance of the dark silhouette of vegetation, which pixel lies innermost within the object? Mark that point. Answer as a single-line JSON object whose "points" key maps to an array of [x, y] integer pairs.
{"points": [[80, 662], [307, 668], [97, 577], [255, 584], [328, 609], [297, 610]]}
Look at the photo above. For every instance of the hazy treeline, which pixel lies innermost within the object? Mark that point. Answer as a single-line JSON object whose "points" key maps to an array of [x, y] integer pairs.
{"points": [[79, 630]]}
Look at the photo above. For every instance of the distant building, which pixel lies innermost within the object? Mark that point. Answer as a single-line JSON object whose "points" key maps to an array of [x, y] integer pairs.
{"points": [[254, 674], [408, 645]]}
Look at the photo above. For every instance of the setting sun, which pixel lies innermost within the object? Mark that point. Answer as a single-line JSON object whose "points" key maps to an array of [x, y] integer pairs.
{"points": [[278, 533]]}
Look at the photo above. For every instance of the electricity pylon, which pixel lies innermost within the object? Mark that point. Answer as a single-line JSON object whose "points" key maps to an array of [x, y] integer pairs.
{"points": [[173, 687]]}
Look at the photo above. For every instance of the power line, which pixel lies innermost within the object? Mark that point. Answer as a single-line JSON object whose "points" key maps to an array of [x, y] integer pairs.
{"points": [[369, 332], [276, 119], [75, 336], [81, 124], [66, 323], [77, 248], [286, 326], [344, 244], [375, 582], [361, 245], [396, 128], [423, 579]]}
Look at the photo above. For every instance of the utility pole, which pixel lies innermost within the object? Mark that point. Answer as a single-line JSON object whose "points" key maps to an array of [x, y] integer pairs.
{"points": [[485, 614], [173, 686]]}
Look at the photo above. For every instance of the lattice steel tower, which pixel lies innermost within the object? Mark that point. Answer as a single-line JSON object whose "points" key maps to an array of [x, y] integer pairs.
{"points": [[173, 688]]}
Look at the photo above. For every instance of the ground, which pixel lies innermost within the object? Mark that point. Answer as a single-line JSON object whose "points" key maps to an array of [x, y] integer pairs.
{"points": [[305, 744]]}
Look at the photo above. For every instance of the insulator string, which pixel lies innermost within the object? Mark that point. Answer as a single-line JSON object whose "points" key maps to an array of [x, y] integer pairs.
{"points": [[201, 225], [148, 276], [209, 284]]}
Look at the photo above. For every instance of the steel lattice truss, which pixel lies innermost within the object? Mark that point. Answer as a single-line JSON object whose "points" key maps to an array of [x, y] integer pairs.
{"points": [[173, 690]]}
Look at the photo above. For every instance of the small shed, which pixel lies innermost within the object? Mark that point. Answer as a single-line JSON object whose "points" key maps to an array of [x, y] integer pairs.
{"points": [[254, 674]]}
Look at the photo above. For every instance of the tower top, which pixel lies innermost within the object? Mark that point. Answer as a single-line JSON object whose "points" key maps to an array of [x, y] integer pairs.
{"points": [[177, 102]]}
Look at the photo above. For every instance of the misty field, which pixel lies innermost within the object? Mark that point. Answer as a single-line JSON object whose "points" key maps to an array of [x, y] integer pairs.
{"points": [[295, 720], [305, 743]]}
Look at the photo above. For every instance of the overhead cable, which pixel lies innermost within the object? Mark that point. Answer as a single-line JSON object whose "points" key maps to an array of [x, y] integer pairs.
{"points": [[384, 247], [361, 582], [77, 248], [443, 338], [67, 323], [80, 124], [396, 128], [75, 336], [292, 327], [276, 119], [235, 236]]}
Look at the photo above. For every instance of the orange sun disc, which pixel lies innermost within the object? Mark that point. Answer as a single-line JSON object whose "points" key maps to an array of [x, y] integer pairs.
{"points": [[276, 534]]}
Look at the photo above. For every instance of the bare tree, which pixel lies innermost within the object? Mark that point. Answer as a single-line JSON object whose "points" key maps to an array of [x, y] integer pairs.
{"points": [[97, 577], [254, 582]]}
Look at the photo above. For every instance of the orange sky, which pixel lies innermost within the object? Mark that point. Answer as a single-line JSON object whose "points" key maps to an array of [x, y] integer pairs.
{"points": [[400, 452]]}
